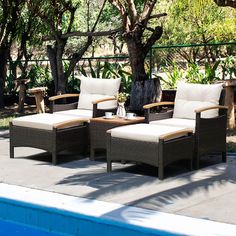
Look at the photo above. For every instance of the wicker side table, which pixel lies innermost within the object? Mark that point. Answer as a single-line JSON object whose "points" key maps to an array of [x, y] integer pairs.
{"points": [[98, 127]]}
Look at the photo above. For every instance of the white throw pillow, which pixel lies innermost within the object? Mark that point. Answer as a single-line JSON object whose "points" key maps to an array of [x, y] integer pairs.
{"points": [[190, 97], [92, 89]]}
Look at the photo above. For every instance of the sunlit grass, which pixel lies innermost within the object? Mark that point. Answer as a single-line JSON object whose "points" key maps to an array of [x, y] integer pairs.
{"points": [[9, 113], [4, 122]]}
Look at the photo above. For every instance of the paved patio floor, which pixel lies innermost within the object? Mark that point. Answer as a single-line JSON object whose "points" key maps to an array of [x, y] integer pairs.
{"points": [[208, 193]]}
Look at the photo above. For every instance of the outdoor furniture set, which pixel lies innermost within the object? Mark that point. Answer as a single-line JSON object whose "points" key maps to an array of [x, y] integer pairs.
{"points": [[195, 126]]}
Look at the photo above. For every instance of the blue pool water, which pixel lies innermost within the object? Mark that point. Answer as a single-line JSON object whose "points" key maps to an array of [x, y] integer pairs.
{"points": [[14, 229], [30, 212], [24, 219]]}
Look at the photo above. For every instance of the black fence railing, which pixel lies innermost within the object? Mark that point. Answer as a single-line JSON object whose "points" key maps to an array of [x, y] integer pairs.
{"points": [[197, 63]]}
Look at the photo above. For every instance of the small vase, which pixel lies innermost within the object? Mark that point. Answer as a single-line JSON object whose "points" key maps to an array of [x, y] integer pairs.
{"points": [[121, 110]]}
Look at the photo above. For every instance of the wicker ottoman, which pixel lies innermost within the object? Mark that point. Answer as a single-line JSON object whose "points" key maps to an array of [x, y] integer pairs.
{"points": [[151, 144], [50, 132]]}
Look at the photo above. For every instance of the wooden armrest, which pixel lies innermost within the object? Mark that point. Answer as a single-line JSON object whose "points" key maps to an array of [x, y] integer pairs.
{"points": [[148, 106], [210, 108], [176, 134], [104, 100], [66, 95], [70, 123]]}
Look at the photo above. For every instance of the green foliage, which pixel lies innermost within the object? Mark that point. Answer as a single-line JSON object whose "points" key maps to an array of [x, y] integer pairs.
{"points": [[10, 87], [73, 84], [40, 76], [193, 74], [205, 76], [198, 21], [229, 67], [173, 76], [109, 70]]}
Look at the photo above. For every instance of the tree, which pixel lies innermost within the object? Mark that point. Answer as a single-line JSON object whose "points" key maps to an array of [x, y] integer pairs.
{"points": [[61, 21], [10, 13], [201, 22], [140, 36]]}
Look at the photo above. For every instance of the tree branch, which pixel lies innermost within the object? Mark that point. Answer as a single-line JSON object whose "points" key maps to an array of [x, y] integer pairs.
{"points": [[99, 15], [132, 11], [153, 38], [158, 15], [85, 34], [147, 10], [77, 56], [125, 19]]}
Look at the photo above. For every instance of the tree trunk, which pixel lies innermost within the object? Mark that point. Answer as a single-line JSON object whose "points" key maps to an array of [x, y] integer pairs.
{"points": [[144, 92], [3, 71], [52, 59], [55, 55], [137, 57]]}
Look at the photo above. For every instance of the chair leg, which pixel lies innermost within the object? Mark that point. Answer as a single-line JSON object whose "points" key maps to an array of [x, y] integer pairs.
{"points": [[223, 156], [160, 172], [92, 154], [54, 158], [191, 165], [196, 159], [11, 151], [109, 166]]}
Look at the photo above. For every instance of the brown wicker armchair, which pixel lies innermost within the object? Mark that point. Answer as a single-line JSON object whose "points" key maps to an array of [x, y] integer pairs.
{"points": [[209, 132], [196, 126]]}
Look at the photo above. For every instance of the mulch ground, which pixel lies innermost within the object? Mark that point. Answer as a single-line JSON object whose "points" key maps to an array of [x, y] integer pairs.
{"points": [[12, 110]]}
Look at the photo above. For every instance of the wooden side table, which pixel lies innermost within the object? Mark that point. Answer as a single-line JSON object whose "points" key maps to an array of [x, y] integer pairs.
{"points": [[38, 93], [98, 127], [229, 102]]}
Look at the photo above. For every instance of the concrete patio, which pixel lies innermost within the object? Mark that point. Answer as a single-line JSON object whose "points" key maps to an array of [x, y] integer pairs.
{"points": [[209, 193]]}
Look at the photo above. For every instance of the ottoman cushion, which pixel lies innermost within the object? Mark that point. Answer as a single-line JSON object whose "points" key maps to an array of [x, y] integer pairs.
{"points": [[143, 132], [44, 121]]}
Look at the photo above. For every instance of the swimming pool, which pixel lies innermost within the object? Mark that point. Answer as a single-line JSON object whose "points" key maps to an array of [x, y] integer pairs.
{"points": [[10, 228], [25, 212]]}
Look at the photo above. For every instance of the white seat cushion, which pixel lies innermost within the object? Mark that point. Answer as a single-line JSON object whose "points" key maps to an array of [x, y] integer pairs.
{"points": [[83, 113], [190, 97], [176, 122], [92, 89], [44, 121], [143, 132]]}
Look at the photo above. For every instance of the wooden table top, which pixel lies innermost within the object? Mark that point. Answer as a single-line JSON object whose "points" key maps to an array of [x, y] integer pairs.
{"points": [[118, 120], [37, 90]]}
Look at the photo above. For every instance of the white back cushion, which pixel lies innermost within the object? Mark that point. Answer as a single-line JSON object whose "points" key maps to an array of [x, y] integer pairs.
{"points": [[92, 89], [190, 97]]}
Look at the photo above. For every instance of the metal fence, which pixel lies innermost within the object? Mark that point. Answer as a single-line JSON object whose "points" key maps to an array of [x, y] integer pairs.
{"points": [[199, 63]]}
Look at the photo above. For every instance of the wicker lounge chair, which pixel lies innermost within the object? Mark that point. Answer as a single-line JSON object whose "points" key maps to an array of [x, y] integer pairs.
{"points": [[164, 140], [200, 108], [67, 126]]}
